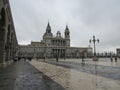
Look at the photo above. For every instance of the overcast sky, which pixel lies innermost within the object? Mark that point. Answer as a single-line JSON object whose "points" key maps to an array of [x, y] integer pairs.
{"points": [[85, 18]]}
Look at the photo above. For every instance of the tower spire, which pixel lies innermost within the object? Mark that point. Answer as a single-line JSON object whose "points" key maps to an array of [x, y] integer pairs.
{"points": [[48, 29], [67, 29], [48, 24], [48, 32], [67, 35], [66, 26]]}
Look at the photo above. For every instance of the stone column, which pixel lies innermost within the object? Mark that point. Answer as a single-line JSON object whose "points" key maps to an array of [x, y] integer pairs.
{"points": [[2, 44]]}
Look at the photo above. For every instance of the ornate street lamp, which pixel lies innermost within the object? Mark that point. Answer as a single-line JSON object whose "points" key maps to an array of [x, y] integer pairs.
{"points": [[94, 41]]}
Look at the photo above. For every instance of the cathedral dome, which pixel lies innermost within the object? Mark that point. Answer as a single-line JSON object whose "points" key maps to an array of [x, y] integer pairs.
{"points": [[58, 34]]}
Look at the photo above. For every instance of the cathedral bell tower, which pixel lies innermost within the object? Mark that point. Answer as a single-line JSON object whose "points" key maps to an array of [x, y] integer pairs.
{"points": [[67, 36], [48, 29], [47, 35]]}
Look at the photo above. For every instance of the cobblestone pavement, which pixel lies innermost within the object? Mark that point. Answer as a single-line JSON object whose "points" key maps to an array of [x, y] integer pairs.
{"points": [[23, 76], [73, 75]]}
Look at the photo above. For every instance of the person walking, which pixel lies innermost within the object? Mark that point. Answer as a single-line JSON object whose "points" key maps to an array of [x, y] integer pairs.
{"points": [[83, 61], [111, 59], [115, 58], [57, 59], [44, 58]]}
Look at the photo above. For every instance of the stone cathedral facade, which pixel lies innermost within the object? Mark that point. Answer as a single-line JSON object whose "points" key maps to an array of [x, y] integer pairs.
{"points": [[52, 46]]}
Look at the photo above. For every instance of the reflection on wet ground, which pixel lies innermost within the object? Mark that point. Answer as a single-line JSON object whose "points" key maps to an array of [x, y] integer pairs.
{"points": [[62, 75], [74, 75], [23, 76], [100, 70]]}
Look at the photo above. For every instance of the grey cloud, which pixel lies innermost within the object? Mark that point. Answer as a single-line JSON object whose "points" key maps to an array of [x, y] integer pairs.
{"points": [[85, 18]]}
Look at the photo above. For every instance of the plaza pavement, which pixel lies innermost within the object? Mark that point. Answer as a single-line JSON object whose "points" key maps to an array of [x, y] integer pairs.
{"points": [[23, 76], [73, 75]]}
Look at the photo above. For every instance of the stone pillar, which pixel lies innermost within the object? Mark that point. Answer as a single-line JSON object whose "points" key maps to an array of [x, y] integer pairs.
{"points": [[7, 45], [2, 35], [2, 45]]}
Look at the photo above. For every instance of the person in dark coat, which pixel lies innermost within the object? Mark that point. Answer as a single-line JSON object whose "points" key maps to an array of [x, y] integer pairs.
{"points": [[56, 58], [111, 59], [83, 61], [116, 59]]}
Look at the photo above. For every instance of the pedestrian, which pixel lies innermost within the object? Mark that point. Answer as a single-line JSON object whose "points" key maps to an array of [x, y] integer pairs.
{"points": [[83, 61], [111, 59], [57, 59], [44, 58], [116, 59]]}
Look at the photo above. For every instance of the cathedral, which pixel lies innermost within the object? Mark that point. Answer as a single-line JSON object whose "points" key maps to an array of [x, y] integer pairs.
{"points": [[53, 46], [58, 40]]}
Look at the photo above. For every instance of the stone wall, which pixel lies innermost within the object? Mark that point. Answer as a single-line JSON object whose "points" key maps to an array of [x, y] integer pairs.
{"points": [[29, 51], [118, 52], [8, 40]]}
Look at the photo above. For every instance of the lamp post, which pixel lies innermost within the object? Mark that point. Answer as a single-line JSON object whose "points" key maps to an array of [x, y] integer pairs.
{"points": [[94, 40]]}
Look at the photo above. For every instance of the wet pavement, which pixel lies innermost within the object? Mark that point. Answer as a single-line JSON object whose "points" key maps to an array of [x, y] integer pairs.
{"points": [[23, 76], [74, 75], [112, 72]]}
